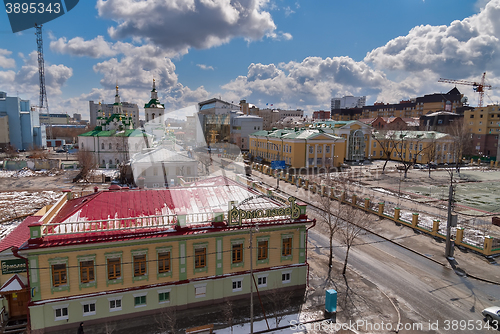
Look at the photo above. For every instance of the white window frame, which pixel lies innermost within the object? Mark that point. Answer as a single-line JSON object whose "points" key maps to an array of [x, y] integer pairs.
{"points": [[262, 285], [143, 294], [164, 291], [114, 309], [61, 307], [89, 302], [237, 280], [200, 290], [289, 273]]}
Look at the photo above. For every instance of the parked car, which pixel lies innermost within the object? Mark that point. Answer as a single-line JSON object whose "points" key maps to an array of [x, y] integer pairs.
{"points": [[492, 315], [418, 166]]}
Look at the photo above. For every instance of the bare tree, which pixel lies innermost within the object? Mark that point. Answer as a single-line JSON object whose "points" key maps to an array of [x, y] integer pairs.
{"points": [[109, 328], [329, 218], [355, 222], [167, 320], [11, 151], [39, 153], [227, 313], [87, 164], [430, 153], [278, 300], [404, 145], [385, 139], [463, 145]]}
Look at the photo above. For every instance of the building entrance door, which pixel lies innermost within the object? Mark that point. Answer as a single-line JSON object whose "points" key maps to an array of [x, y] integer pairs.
{"points": [[18, 304]]}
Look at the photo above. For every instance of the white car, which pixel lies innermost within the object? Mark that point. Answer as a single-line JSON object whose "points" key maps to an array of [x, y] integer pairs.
{"points": [[492, 315]]}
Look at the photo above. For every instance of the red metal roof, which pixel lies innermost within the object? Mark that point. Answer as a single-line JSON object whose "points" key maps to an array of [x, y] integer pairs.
{"points": [[19, 235]]}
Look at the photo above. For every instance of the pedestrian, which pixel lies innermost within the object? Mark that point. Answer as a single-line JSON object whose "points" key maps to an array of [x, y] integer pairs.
{"points": [[80, 329]]}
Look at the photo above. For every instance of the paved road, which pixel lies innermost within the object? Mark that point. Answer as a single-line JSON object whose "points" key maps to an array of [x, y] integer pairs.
{"points": [[425, 291]]}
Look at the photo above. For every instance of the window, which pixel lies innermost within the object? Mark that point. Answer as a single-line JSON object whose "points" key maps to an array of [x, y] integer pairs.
{"points": [[89, 308], [164, 296], [200, 258], [139, 300], [311, 150], [381, 153], [200, 290], [262, 250], [262, 281], [110, 147], [320, 149], [59, 276], [163, 262], [286, 249], [374, 144], [286, 277], [87, 271], [61, 312], [237, 253], [139, 265], [102, 146], [328, 149], [115, 304], [114, 269], [237, 284]]}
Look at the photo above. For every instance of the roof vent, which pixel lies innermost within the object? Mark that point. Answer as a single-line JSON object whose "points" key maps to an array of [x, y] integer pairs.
{"points": [[114, 187]]}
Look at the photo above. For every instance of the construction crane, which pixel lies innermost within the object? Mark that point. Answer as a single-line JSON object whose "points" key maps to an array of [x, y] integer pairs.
{"points": [[43, 104], [478, 87]]}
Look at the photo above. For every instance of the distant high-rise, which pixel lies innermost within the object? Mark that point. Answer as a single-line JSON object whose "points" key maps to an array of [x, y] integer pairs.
{"points": [[348, 102]]}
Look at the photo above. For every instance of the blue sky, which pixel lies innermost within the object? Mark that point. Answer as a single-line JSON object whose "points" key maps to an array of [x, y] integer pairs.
{"points": [[293, 54]]}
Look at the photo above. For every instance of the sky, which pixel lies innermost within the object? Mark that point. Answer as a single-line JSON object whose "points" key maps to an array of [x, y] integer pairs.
{"points": [[291, 54]]}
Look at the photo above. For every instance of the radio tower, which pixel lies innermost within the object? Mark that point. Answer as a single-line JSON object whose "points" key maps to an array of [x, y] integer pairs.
{"points": [[41, 74]]}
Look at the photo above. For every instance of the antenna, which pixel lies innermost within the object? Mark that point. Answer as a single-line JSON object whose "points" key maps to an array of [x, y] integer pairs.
{"points": [[41, 74]]}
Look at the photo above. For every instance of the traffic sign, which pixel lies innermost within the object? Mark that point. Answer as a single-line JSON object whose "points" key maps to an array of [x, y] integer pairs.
{"points": [[278, 164]]}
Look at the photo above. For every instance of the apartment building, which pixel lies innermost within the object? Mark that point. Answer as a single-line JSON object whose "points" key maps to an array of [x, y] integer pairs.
{"points": [[484, 123]]}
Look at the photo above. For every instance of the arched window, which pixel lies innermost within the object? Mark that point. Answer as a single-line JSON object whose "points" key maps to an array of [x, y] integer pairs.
{"points": [[153, 117], [102, 146], [103, 162], [110, 146], [117, 161], [110, 161], [82, 146]]}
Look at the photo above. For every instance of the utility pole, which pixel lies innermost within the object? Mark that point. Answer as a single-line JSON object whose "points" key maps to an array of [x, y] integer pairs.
{"points": [[449, 249], [43, 104]]}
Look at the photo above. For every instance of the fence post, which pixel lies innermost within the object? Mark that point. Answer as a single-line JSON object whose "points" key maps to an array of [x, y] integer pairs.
{"points": [[435, 227], [367, 204], [414, 220], [306, 184], [342, 197], [381, 208], [396, 213], [332, 193], [460, 235], [354, 199], [323, 190], [488, 243]]}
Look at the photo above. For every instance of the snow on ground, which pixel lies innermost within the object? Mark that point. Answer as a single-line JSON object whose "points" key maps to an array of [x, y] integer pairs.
{"points": [[107, 172], [17, 203], [26, 172]]}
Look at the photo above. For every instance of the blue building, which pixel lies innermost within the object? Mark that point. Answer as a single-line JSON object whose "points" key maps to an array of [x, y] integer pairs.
{"points": [[25, 131]]}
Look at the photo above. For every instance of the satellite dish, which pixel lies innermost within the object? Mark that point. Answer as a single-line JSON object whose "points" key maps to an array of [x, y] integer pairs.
{"points": [[464, 100]]}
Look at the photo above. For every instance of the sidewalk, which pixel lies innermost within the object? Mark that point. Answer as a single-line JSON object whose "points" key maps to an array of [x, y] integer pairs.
{"points": [[467, 262]]}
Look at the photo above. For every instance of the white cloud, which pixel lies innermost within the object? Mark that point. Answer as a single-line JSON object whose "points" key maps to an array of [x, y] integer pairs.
{"points": [[464, 49], [95, 48], [26, 80], [6, 62], [205, 67], [181, 24], [309, 84]]}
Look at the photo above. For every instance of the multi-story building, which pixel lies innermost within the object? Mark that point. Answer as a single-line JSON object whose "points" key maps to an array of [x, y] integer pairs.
{"points": [[124, 255], [413, 146], [410, 108], [321, 114], [348, 102], [126, 108], [439, 121], [299, 148], [241, 127], [484, 123], [270, 117], [25, 131], [55, 119]]}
